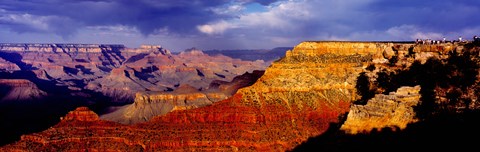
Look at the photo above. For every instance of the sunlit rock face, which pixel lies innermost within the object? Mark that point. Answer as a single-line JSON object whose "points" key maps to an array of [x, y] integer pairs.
{"points": [[297, 97], [394, 110], [81, 114]]}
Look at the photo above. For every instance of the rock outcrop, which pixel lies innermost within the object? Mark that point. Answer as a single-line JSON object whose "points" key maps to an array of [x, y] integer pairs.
{"points": [[79, 130], [81, 114], [8, 66], [394, 110]]}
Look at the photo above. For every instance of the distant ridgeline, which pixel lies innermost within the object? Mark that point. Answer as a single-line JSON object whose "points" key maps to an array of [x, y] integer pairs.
{"points": [[46, 47], [252, 55], [35, 47]]}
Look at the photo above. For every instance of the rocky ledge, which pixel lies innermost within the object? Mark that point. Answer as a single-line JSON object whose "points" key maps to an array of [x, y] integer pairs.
{"points": [[394, 110]]}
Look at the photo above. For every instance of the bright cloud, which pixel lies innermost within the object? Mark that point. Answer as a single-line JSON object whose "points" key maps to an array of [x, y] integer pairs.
{"points": [[215, 28]]}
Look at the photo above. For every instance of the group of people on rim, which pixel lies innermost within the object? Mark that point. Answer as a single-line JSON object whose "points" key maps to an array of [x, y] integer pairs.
{"points": [[476, 39]]}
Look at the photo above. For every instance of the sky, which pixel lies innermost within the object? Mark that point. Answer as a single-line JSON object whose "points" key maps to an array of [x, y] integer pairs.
{"points": [[234, 24]]}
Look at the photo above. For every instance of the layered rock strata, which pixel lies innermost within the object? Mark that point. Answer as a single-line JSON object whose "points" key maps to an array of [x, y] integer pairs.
{"points": [[150, 104], [49, 48], [119, 72], [297, 98], [394, 110], [79, 130]]}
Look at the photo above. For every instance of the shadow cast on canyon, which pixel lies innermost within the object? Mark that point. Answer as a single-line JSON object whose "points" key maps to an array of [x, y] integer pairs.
{"points": [[444, 132], [20, 117]]}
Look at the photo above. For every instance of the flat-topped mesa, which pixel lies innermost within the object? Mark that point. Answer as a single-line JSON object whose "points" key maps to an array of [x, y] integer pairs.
{"points": [[78, 48], [145, 48], [67, 48], [81, 114], [339, 48], [377, 48]]}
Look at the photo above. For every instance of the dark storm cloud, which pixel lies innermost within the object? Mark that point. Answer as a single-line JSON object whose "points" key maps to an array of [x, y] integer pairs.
{"points": [[148, 16], [236, 23], [441, 15]]}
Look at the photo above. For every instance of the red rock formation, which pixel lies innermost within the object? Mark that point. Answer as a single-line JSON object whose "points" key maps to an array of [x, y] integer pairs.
{"points": [[79, 130], [81, 114]]}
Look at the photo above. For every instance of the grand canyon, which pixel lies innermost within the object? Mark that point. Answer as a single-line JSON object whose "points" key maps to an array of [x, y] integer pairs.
{"points": [[321, 95], [239, 75]]}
